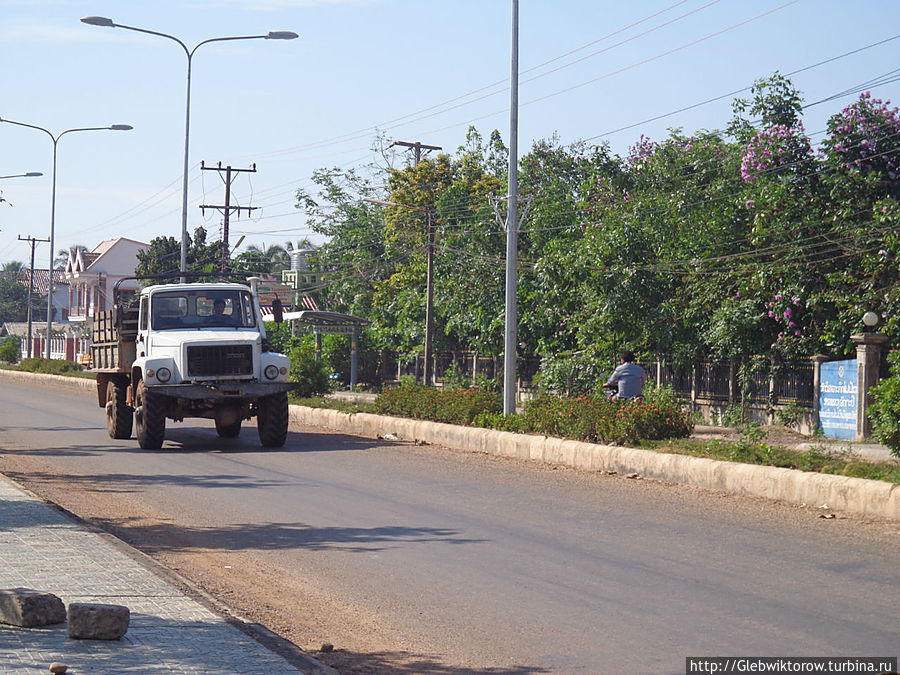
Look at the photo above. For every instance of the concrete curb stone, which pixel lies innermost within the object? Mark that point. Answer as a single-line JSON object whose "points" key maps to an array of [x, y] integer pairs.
{"points": [[841, 493]]}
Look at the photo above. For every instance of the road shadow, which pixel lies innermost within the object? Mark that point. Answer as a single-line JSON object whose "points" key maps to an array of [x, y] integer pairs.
{"points": [[404, 663], [183, 440], [173, 538], [126, 483], [202, 439]]}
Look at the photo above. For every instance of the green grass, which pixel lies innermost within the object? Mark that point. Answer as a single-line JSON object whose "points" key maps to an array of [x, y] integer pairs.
{"points": [[816, 459], [51, 367], [334, 404]]}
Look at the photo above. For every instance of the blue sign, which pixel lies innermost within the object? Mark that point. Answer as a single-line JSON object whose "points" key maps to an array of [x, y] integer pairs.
{"points": [[838, 399]]}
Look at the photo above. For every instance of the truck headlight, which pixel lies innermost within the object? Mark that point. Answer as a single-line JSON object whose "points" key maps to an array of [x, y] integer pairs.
{"points": [[271, 372], [163, 374]]}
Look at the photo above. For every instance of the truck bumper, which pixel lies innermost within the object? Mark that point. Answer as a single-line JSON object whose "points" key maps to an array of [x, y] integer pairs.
{"points": [[222, 390]]}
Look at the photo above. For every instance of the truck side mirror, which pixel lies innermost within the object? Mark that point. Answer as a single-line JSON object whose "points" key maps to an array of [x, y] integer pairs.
{"points": [[278, 310]]}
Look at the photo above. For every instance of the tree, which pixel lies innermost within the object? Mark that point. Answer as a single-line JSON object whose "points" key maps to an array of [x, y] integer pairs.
{"points": [[257, 260], [13, 301], [353, 260], [164, 256], [12, 268], [776, 102]]}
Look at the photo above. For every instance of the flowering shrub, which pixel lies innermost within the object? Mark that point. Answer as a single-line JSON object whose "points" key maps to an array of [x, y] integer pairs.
{"points": [[863, 137], [779, 145], [642, 150], [784, 310], [598, 419]]}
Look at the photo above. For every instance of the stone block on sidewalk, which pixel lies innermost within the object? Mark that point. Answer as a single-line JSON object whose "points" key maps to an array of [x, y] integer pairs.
{"points": [[29, 608], [97, 622]]}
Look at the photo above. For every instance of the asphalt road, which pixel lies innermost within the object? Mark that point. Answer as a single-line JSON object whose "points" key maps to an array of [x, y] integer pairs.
{"points": [[482, 564]]}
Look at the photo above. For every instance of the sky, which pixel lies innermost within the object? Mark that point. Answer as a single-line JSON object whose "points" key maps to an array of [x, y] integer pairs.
{"points": [[410, 70]]}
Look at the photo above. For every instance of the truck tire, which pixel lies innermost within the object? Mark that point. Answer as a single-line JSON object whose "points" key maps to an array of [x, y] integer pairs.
{"points": [[232, 430], [119, 415], [272, 420], [149, 419]]}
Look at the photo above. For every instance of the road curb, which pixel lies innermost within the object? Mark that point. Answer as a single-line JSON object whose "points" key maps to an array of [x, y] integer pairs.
{"points": [[839, 493], [79, 383]]}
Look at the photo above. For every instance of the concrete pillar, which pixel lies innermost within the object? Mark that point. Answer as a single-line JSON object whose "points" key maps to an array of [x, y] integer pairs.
{"points": [[354, 343], [868, 362], [817, 360]]}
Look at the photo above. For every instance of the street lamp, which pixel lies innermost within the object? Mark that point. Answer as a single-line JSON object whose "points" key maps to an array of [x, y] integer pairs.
{"points": [[55, 139], [271, 35], [429, 283], [30, 174], [870, 319]]}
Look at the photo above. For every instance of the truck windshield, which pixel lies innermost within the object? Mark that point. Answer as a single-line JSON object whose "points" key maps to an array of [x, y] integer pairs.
{"points": [[202, 309]]}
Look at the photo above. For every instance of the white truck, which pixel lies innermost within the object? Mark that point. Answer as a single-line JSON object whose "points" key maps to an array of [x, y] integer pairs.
{"points": [[189, 350]]}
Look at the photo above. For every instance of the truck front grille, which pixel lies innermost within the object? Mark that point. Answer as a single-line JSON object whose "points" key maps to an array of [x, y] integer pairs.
{"points": [[209, 360]]}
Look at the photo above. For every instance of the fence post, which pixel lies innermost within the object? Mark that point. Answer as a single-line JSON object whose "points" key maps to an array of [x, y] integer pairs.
{"points": [[732, 382], [868, 364], [817, 360], [694, 385], [773, 392]]}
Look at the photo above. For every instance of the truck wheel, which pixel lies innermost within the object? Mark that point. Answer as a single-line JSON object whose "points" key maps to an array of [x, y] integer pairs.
{"points": [[149, 419], [232, 430], [119, 415], [272, 420]]}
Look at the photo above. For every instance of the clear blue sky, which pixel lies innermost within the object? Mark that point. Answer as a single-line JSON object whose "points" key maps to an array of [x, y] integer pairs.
{"points": [[360, 65]]}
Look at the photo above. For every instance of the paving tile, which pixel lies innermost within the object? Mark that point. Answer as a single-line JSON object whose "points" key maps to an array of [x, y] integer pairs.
{"points": [[169, 632]]}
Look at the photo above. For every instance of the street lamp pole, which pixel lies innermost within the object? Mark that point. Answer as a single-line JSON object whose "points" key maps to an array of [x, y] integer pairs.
{"points": [[189, 53], [55, 139], [512, 226]]}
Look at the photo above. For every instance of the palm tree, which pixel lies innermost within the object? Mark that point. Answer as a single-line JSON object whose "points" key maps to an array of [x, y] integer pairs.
{"points": [[12, 269], [272, 259], [302, 245]]}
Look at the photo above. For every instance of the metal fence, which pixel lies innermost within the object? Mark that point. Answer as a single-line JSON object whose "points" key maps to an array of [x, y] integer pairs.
{"points": [[710, 381]]}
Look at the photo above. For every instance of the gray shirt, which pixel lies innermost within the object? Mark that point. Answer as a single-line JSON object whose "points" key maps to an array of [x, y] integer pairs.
{"points": [[630, 377]]}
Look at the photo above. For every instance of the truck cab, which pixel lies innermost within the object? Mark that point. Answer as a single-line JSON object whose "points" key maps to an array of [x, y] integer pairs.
{"points": [[190, 350]]}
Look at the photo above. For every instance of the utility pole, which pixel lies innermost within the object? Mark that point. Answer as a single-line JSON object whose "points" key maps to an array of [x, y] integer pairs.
{"points": [[33, 242], [227, 208], [429, 283], [417, 146], [512, 225]]}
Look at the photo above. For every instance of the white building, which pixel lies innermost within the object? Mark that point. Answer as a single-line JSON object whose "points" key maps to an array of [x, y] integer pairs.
{"points": [[92, 276]]}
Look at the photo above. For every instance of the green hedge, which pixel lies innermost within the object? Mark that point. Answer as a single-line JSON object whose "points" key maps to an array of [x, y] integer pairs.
{"points": [[50, 366], [596, 419], [455, 406], [587, 418], [885, 409]]}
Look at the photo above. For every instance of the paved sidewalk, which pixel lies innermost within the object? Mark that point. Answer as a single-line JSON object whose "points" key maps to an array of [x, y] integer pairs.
{"points": [[169, 632]]}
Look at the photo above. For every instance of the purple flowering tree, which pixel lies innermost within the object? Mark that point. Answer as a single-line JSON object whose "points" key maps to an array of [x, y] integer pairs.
{"points": [[863, 147]]}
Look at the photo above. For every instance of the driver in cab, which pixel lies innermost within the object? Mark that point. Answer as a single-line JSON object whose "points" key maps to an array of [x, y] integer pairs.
{"points": [[218, 316]]}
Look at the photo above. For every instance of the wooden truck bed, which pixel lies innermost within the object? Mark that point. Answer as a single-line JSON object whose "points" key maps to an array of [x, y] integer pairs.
{"points": [[113, 348]]}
